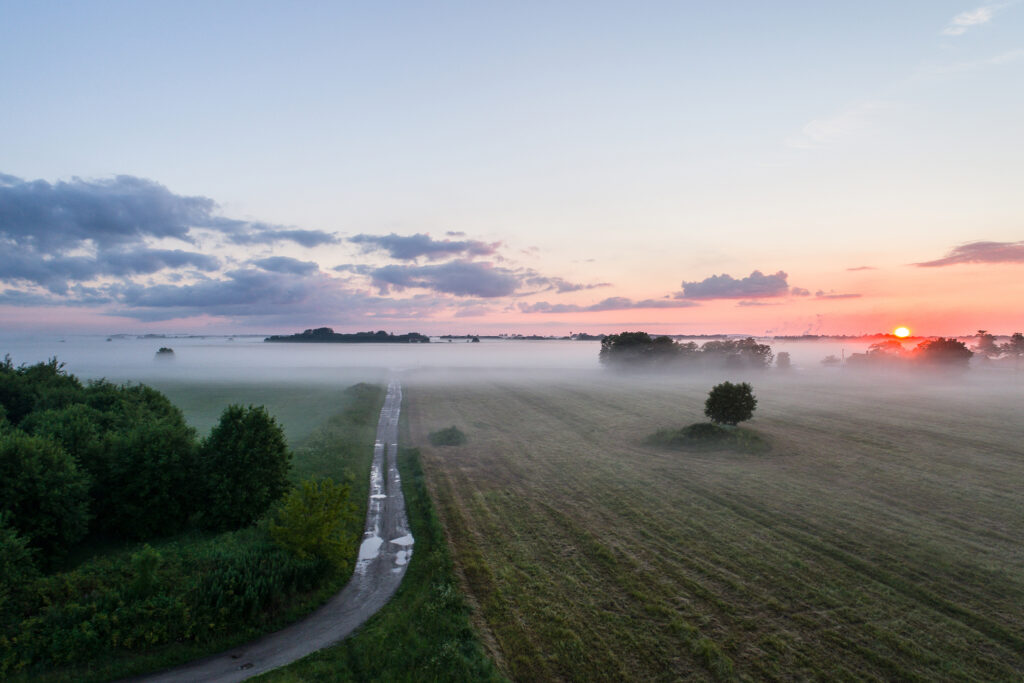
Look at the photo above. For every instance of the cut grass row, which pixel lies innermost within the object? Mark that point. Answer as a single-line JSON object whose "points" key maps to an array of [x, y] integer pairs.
{"points": [[878, 539]]}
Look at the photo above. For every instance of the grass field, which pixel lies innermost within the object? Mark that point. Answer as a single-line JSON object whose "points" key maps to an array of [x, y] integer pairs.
{"points": [[879, 538]]}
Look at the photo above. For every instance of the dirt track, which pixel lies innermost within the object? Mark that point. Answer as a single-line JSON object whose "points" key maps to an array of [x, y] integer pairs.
{"points": [[383, 558]]}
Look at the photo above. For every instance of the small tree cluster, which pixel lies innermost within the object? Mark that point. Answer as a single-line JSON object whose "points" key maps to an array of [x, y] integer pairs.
{"points": [[122, 461], [639, 349]]}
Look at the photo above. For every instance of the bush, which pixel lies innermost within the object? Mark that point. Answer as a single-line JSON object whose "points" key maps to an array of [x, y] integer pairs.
{"points": [[730, 403], [313, 522], [245, 463], [705, 436], [17, 568], [44, 494], [449, 436]]}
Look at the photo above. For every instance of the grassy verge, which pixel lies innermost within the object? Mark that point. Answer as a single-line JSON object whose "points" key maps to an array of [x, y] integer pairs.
{"points": [[257, 587], [424, 632]]}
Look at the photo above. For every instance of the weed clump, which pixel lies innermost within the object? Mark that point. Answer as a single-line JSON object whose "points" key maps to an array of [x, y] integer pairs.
{"points": [[449, 436]]}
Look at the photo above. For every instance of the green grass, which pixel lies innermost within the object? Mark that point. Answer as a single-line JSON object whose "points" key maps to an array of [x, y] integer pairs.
{"points": [[336, 429], [424, 632], [706, 436], [878, 539]]}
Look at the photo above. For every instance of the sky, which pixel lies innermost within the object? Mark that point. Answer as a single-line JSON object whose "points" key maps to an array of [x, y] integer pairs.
{"points": [[529, 167]]}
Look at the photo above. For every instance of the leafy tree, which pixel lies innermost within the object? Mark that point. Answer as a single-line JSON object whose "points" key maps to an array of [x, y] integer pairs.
{"points": [[943, 352], [244, 463], [313, 520], [624, 347], [1014, 347], [146, 482], [729, 403], [42, 491], [986, 345], [17, 568], [782, 361]]}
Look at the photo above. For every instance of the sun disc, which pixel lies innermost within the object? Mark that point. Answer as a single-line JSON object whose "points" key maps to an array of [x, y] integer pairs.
{"points": [[901, 332]]}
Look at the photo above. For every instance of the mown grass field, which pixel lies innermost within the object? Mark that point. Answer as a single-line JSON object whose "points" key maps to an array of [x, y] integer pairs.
{"points": [[880, 538]]}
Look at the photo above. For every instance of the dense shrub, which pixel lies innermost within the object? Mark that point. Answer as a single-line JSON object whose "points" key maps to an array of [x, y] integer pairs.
{"points": [[449, 436], [17, 567], [313, 522], [42, 492], [245, 464], [134, 601], [729, 403]]}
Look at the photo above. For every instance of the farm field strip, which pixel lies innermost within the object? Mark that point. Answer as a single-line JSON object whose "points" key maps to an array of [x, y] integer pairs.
{"points": [[881, 528]]}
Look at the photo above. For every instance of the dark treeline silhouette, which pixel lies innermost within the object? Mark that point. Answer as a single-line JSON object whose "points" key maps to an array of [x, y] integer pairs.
{"points": [[640, 350], [326, 335]]}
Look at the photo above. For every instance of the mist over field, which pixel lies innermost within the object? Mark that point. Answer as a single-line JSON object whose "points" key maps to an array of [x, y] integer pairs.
{"points": [[250, 359]]}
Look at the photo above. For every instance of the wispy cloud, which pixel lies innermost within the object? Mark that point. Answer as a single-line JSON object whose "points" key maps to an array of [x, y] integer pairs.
{"points": [[615, 303], [965, 21], [979, 252], [857, 268], [846, 124], [411, 247], [1000, 59], [821, 294]]}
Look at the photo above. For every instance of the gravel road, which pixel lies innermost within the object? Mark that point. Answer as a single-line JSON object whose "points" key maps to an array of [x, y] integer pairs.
{"points": [[383, 558]]}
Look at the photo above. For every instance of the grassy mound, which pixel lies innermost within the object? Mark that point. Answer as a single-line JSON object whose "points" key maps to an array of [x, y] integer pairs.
{"points": [[707, 436], [449, 436]]}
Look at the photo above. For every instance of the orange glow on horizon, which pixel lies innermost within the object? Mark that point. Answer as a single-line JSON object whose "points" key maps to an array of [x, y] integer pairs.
{"points": [[901, 332]]}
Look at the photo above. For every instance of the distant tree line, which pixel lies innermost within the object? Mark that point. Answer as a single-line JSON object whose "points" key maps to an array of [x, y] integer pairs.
{"points": [[326, 335], [640, 350]]}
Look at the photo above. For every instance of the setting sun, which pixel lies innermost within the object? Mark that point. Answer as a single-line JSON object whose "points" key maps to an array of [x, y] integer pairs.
{"points": [[901, 332]]}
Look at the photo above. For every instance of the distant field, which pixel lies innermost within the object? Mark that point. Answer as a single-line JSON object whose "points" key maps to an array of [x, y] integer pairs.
{"points": [[881, 537], [299, 407]]}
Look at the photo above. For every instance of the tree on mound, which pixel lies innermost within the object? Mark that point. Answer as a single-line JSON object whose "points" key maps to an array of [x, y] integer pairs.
{"points": [[730, 403]]}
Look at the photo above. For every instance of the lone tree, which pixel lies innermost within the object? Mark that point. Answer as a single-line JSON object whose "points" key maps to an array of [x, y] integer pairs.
{"points": [[245, 463], [730, 403]]}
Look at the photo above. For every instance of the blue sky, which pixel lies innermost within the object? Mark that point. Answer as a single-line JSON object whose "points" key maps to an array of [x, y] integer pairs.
{"points": [[636, 146]]}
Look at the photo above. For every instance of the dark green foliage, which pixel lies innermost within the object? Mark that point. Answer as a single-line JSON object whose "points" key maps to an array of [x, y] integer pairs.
{"points": [[244, 463], [943, 352], [144, 566], [730, 403], [449, 436], [17, 567], [36, 387], [139, 608], [315, 520], [147, 485], [139, 452], [130, 602], [42, 492]]}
